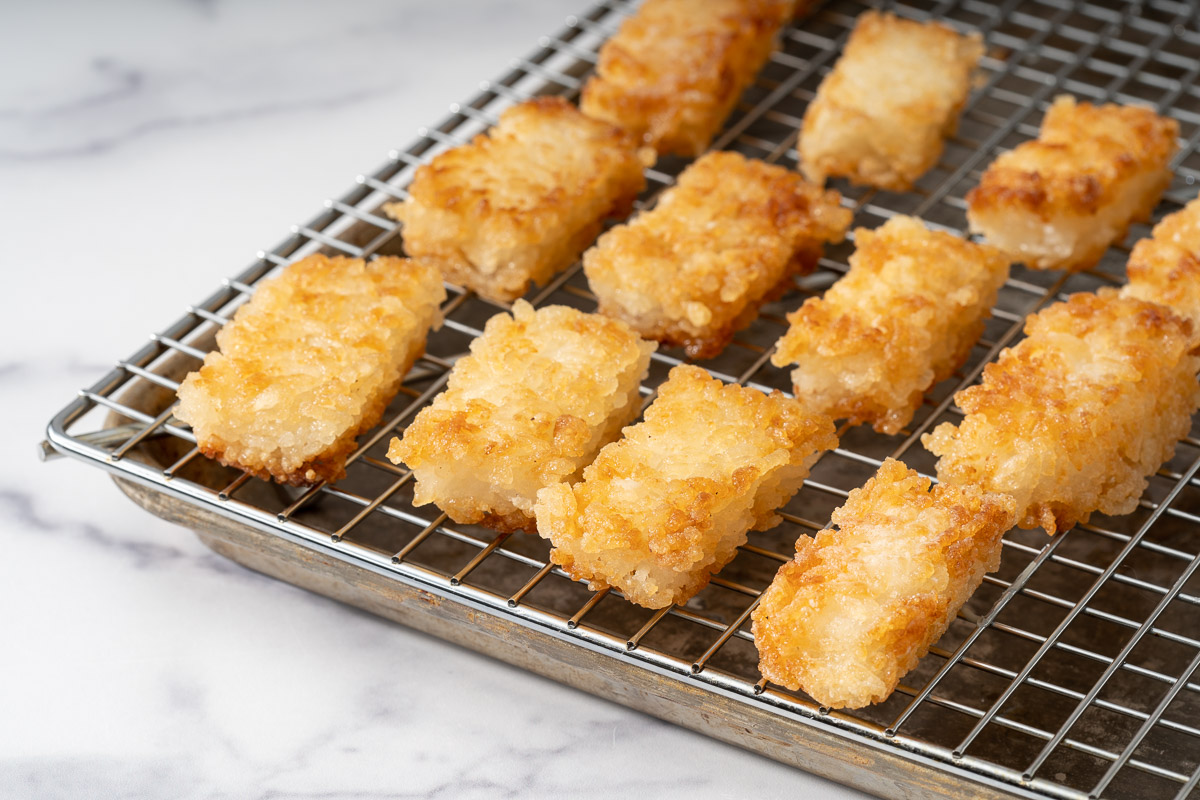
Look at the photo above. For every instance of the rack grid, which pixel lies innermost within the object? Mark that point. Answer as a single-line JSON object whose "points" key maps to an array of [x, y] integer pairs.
{"points": [[1073, 672]]}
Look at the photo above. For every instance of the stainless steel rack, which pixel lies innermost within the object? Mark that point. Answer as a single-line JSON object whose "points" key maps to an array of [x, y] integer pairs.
{"points": [[1072, 673]]}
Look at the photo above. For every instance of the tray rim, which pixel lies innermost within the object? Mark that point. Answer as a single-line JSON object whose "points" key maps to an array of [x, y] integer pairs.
{"points": [[980, 773], [144, 493], [145, 484]]}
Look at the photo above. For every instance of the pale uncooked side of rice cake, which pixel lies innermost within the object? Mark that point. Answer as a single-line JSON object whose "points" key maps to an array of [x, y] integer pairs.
{"points": [[666, 507], [1059, 201], [540, 393], [674, 70], [1165, 268], [1074, 418], [309, 363], [880, 116], [902, 319], [519, 203], [729, 235], [859, 606]]}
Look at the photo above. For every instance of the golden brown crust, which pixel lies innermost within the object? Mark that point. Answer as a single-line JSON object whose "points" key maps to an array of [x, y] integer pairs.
{"points": [[1081, 156], [663, 509], [520, 202], [880, 115], [859, 606], [539, 395], [309, 364], [903, 318], [697, 268], [1166, 268], [1059, 201], [674, 70], [1073, 418]]}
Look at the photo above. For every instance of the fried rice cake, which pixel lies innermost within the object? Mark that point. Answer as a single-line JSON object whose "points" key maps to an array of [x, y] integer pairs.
{"points": [[859, 606], [1059, 201], [540, 393], [1075, 417], [663, 509], [880, 116], [309, 363], [521, 201], [731, 233], [673, 72], [902, 319], [1166, 267]]}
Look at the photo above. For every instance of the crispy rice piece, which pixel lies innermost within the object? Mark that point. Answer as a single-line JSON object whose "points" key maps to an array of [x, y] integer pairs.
{"points": [[731, 233], [880, 115], [859, 606], [902, 319], [541, 392], [666, 507], [672, 73], [1166, 267], [309, 363], [1059, 201], [522, 201], [1073, 418]]}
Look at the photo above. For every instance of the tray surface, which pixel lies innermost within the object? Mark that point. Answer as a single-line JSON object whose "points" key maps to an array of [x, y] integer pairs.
{"points": [[1073, 670]]}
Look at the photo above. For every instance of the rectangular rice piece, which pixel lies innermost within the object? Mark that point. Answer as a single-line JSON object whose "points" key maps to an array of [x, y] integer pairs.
{"points": [[859, 606], [731, 233], [1059, 201], [902, 319], [1166, 267], [672, 73], [541, 392], [1073, 418], [881, 114], [667, 506], [309, 363], [522, 201]]}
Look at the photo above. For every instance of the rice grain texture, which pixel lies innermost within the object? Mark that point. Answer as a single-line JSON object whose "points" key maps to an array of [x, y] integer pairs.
{"points": [[859, 605], [902, 319], [1059, 201], [520, 202], [1166, 267], [1075, 417], [666, 507], [309, 363], [540, 393], [731, 234], [673, 72], [881, 114]]}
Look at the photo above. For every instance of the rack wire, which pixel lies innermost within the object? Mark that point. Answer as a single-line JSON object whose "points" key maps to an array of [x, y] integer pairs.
{"points": [[1073, 672]]}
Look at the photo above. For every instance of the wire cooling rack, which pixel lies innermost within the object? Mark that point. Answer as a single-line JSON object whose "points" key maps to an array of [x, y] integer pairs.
{"points": [[1073, 671]]}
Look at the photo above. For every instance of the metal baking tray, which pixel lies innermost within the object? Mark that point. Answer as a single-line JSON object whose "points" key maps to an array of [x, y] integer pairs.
{"points": [[1072, 672]]}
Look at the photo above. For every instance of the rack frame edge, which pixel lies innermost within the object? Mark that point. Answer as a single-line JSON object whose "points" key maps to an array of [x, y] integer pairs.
{"points": [[873, 770]]}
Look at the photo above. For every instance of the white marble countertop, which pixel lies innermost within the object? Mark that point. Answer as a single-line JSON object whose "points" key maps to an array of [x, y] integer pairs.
{"points": [[147, 150]]}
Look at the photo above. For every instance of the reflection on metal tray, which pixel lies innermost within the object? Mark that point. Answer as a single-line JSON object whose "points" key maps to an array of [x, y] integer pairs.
{"points": [[1073, 670]]}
